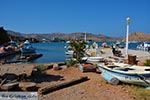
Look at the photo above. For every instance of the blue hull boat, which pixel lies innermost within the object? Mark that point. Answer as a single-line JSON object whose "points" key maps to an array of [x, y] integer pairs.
{"points": [[27, 48]]}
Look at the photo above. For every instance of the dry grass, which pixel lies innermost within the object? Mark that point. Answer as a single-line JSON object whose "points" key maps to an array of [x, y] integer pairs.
{"points": [[140, 93]]}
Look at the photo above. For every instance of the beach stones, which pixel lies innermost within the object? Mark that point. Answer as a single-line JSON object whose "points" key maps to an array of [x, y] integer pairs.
{"points": [[56, 67], [10, 76], [27, 86]]}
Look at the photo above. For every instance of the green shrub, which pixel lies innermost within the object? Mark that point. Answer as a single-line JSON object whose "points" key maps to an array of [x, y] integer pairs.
{"points": [[72, 62], [78, 47], [147, 63], [40, 67]]}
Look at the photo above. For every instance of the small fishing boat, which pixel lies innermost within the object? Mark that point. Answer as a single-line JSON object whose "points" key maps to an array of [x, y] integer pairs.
{"points": [[9, 49], [132, 74], [93, 59], [69, 50], [27, 48]]}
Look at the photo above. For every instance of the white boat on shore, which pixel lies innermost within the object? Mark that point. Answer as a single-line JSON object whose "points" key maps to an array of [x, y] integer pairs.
{"points": [[93, 59], [132, 74]]}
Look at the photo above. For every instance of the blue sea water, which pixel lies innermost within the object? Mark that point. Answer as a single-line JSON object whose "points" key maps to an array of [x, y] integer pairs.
{"points": [[55, 51], [52, 52]]}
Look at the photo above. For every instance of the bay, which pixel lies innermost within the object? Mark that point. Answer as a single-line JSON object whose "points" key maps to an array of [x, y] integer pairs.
{"points": [[52, 52], [55, 51]]}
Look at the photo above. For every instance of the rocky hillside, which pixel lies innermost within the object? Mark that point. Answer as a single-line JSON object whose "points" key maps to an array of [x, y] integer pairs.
{"points": [[135, 36], [61, 36], [17, 36], [139, 36], [4, 37]]}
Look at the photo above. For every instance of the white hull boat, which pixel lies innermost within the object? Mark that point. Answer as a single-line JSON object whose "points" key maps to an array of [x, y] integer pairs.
{"points": [[132, 74], [93, 59]]}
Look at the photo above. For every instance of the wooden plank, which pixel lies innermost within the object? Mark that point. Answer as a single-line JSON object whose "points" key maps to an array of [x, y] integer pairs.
{"points": [[9, 86], [58, 86]]}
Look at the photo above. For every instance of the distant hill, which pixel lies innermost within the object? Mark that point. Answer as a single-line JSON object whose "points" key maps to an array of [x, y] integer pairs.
{"points": [[61, 36], [138, 36], [37, 37]]}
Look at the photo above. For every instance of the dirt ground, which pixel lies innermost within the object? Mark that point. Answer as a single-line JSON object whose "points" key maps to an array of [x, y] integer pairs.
{"points": [[96, 88]]}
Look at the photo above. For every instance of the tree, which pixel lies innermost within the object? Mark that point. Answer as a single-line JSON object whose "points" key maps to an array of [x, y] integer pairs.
{"points": [[78, 48]]}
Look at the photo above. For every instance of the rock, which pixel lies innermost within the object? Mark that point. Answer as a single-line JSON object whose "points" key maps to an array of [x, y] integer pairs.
{"points": [[27, 86], [62, 63], [56, 67], [48, 66], [64, 67], [10, 76], [22, 77]]}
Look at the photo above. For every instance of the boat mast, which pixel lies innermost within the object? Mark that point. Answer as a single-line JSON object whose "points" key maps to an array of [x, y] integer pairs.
{"points": [[128, 22]]}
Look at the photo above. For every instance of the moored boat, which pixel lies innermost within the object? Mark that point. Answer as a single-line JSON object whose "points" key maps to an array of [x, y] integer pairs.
{"points": [[145, 46], [69, 50], [27, 48], [8, 49]]}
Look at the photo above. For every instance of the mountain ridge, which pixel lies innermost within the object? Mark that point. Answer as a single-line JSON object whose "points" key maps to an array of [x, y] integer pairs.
{"points": [[134, 36], [62, 36]]}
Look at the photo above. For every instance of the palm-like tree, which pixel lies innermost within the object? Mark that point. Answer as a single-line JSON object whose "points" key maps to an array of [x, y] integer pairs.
{"points": [[78, 47]]}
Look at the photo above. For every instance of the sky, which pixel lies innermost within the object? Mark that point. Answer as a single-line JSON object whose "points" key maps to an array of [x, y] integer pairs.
{"points": [[107, 17]]}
